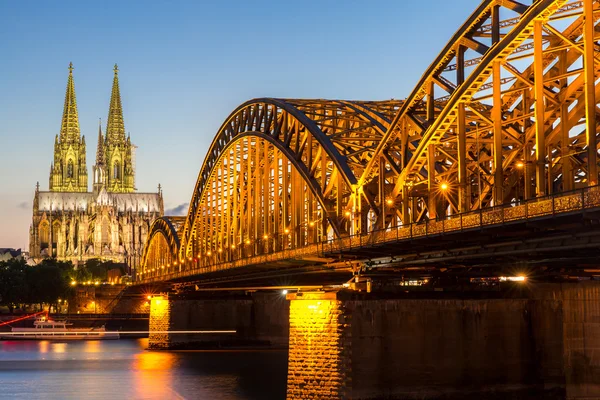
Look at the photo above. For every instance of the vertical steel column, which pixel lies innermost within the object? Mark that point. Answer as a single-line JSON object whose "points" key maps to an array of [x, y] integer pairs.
{"points": [[299, 227], [223, 236], [247, 187], [590, 93], [277, 172], [338, 193], [497, 118], [463, 188], [431, 205], [285, 214], [325, 214], [405, 205], [567, 170], [540, 139], [382, 205], [294, 209], [266, 208], [526, 147], [258, 235], [235, 192], [431, 186], [430, 102], [498, 195]]}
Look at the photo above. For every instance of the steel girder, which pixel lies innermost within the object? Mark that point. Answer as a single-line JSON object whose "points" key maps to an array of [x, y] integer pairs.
{"points": [[507, 111], [162, 246], [327, 142], [472, 123]]}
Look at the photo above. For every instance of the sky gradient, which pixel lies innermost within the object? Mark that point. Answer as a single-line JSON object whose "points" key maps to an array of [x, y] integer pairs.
{"points": [[184, 66]]}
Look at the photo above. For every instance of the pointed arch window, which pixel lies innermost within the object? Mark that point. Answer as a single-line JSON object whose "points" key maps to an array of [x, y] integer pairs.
{"points": [[70, 169], [105, 231], [44, 234], [117, 170], [55, 233]]}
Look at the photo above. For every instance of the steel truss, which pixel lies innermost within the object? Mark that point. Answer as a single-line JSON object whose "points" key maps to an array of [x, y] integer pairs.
{"points": [[162, 245], [471, 124], [506, 112]]}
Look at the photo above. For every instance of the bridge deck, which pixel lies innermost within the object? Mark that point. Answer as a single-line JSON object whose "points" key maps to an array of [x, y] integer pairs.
{"points": [[540, 225]]}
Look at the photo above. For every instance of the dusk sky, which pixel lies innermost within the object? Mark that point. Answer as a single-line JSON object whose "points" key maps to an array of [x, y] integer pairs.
{"points": [[184, 66]]}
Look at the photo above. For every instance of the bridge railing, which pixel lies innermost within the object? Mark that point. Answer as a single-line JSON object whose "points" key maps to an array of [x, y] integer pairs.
{"points": [[288, 254], [560, 203], [550, 205]]}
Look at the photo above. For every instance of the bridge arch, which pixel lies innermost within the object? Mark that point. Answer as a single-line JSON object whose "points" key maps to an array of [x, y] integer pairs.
{"points": [[326, 142], [162, 247]]}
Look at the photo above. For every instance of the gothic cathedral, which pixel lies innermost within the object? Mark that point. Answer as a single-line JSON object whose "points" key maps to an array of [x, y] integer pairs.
{"points": [[112, 221]]}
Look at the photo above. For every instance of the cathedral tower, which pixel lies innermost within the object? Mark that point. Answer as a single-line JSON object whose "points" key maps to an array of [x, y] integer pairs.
{"points": [[112, 221], [118, 148], [68, 172]]}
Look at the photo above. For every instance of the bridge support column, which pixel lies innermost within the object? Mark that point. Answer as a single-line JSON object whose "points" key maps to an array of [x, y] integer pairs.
{"points": [[319, 361], [530, 338], [251, 320], [160, 322]]}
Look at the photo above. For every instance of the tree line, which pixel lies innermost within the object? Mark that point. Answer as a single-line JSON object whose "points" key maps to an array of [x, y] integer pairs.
{"points": [[45, 283]]}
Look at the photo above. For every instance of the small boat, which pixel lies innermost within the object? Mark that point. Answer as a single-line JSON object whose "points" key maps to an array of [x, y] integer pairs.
{"points": [[46, 329]]}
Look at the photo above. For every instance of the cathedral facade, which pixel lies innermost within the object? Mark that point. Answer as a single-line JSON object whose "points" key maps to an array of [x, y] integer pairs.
{"points": [[113, 220]]}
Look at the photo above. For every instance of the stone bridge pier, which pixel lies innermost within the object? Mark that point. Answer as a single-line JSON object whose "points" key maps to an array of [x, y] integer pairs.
{"points": [[533, 338], [258, 319], [541, 339]]}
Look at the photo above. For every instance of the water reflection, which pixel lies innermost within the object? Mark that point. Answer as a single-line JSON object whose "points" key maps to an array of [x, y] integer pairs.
{"points": [[44, 346], [92, 346], [153, 375], [123, 369], [58, 347]]}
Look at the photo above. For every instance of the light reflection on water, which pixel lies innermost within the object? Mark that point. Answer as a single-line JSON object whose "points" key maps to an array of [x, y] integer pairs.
{"points": [[122, 369]]}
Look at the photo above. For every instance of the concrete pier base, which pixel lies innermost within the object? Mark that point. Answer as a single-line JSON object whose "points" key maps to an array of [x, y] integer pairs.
{"points": [[258, 320], [545, 338]]}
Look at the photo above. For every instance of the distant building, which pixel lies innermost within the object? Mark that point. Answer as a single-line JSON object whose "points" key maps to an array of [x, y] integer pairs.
{"points": [[9, 254], [112, 221]]}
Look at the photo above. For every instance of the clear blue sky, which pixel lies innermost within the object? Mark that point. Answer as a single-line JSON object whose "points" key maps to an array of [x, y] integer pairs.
{"points": [[184, 66]]}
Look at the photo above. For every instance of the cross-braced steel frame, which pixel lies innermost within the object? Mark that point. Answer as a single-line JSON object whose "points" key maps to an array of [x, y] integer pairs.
{"points": [[162, 246], [506, 112]]}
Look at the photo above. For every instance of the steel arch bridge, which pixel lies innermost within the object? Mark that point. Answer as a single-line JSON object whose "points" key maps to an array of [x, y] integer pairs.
{"points": [[505, 113]]}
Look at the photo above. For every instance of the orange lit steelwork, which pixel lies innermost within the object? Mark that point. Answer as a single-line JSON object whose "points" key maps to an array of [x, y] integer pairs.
{"points": [[505, 113]]}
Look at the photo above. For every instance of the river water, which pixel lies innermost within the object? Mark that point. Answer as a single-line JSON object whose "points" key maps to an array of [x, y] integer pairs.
{"points": [[123, 369]]}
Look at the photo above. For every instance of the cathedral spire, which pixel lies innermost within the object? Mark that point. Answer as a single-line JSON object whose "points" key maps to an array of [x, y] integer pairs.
{"points": [[115, 127], [118, 150], [69, 128], [100, 158], [69, 171]]}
